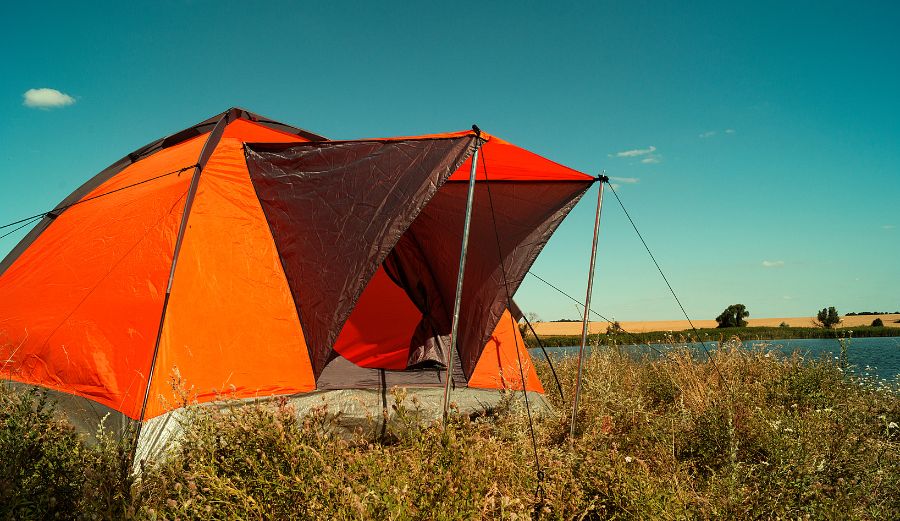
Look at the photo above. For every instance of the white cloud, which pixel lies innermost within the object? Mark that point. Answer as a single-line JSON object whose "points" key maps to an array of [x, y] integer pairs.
{"points": [[713, 133], [888, 226], [615, 186], [773, 264], [46, 99], [625, 180], [651, 160], [636, 152]]}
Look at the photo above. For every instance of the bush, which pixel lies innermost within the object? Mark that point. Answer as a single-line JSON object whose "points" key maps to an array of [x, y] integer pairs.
{"points": [[47, 471], [877, 323], [743, 434]]}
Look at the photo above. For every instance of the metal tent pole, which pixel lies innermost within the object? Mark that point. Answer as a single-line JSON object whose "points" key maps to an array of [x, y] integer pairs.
{"points": [[587, 306], [212, 141], [459, 277]]}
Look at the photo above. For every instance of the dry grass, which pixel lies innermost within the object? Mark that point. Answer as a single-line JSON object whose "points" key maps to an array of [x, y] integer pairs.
{"points": [[753, 436]]}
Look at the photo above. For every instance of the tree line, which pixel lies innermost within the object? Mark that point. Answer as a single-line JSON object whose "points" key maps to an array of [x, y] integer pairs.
{"points": [[828, 318]]}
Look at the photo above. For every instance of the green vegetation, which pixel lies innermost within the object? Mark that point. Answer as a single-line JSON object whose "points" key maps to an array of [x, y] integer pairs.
{"points": [[753, 436], [717, 335], [877, 323], [733, 316], [828, 317]]}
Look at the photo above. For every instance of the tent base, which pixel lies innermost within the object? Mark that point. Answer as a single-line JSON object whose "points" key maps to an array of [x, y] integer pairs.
{"points": [[350, 411], [86, 416]]}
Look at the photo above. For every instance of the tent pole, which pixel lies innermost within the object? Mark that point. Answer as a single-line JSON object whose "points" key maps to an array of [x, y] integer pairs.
{"points": [[459, 277], [212, 141], [587, 307]]}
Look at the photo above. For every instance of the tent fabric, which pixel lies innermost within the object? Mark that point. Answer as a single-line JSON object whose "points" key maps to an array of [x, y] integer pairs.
{"points": [[526, 215], [306, 267], [240, 118], [337, 209], [229, 293], [83, 302]]}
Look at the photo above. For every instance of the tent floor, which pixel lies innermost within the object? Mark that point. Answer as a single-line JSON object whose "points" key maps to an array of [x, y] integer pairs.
{"points": [[347, 410]]}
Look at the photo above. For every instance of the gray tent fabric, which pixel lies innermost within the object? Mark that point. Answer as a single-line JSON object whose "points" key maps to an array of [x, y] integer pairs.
{"points": [[336, 210], [425, 260]]}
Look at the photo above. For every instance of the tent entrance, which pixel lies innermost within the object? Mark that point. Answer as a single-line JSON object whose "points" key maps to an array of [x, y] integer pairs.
{"points": [[379, 331]]}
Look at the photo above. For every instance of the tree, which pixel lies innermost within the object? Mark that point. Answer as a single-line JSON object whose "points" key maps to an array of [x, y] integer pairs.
{"points": [[828, 317], [614, 328], [877, 323], [733, 316]]}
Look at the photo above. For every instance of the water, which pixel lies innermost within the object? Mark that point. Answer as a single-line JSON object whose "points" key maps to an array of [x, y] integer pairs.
{"points": [[878, 357]]}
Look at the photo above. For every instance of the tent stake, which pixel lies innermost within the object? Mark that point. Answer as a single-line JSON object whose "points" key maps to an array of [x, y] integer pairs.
{"points": [[587, 307], [459, 277]]}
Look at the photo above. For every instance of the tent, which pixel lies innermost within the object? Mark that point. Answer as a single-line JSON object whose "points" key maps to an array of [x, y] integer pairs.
{"points": [[248, 259]]}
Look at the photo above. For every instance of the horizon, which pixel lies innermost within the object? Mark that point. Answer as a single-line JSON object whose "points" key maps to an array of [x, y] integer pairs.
{"points": [[754, 145]]}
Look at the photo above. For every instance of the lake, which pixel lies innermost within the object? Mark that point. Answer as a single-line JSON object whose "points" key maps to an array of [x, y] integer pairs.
{"points": [[873, 356]]}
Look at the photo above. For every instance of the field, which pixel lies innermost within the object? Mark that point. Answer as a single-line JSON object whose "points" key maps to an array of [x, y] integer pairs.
{"points": [[574, 328], [751, 435]]}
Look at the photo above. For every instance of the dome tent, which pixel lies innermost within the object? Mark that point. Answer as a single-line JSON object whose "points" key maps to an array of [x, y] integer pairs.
{"points": [[255, 260]]}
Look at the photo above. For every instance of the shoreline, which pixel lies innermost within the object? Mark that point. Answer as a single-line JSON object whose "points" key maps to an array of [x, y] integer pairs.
{"points": [[891, 321]]}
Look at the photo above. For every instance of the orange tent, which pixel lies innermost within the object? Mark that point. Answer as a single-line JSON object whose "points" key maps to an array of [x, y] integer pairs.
{"points": [[250, 259]]}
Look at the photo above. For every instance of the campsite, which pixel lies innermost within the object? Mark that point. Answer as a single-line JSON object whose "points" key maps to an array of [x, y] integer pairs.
{"points": [[373, 261]]}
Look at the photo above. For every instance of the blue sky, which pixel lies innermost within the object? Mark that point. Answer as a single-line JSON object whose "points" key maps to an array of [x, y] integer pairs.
{"points": [[755, 144]]}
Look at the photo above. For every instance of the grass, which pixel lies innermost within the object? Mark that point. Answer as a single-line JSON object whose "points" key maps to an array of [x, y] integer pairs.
{"points": [[717, 335], [754, 435]]}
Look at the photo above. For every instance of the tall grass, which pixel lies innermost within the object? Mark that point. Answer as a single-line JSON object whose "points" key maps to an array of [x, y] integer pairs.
{"points": [[754, 435]]}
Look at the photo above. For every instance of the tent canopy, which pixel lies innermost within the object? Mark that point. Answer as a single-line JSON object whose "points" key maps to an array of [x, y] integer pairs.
{"points": [[305, 265]]}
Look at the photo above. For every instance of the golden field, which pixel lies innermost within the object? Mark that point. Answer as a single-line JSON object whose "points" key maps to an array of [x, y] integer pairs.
{"points": [[574, 328]]}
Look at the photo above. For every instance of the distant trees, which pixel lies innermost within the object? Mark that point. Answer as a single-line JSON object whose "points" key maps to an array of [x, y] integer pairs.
{"points": [[877, 323], [733, 316], [828, 317]]}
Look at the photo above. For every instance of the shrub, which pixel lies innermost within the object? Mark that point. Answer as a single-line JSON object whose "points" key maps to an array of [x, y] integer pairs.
{"points": [[47, 471], [877, 323], [740, 434]]}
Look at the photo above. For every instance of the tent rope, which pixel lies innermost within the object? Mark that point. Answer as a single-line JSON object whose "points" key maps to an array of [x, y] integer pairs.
{"points": [[637, 341], [539, 491], [562, 395], [27, 222], [59, 209], [671, 290]]}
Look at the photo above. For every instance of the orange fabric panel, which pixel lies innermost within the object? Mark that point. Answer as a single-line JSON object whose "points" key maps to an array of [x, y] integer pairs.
{"points": [[231, 325], [379, 329], [80, 308], [507, 162], [249, 131], [498, 367]]}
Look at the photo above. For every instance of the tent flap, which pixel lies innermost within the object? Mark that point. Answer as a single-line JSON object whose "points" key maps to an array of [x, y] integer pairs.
{"points": [[336, 210], [425, 260]]}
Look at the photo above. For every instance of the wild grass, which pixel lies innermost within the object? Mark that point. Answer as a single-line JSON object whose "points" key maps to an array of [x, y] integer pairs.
{"points": [[753, 435]]}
